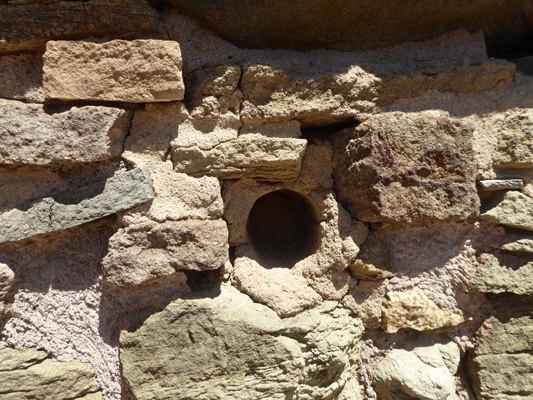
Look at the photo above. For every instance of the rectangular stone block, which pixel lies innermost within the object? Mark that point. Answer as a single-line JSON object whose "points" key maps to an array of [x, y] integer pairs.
{"points": [[501, 184], [77, 207], [135, 71], [251, 156], [29, 134]]}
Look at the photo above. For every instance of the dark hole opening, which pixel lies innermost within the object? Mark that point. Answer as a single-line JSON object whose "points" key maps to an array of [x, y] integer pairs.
{"points": [[283, 228]]}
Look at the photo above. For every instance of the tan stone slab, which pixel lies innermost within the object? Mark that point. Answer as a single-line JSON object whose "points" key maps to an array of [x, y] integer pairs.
{"points": [[513, 209], [136, 71], [251, 156]]}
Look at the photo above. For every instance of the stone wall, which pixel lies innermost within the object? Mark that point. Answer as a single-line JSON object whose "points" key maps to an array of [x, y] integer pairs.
{"points": [[326, 212]]}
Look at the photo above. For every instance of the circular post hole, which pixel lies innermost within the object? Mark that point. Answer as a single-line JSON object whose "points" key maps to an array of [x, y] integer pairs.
{"points": [[283, 228]]}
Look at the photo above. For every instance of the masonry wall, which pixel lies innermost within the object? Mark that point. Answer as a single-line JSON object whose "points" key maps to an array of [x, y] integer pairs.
{"points": [[344, 214]]}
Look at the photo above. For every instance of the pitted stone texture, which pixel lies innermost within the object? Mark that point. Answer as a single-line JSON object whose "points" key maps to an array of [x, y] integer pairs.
{"points": [[352, 25], [407, 167], [7, 289], [515, 143], [30, 24], [422, 368], [250, 156], [76, 207], [21, 77], [29, 134], [228, 347], [500, 367], [504, 273], [137, 71], [27, 374], [149, 251], [326, 87], [512, 209], [413, 309]]}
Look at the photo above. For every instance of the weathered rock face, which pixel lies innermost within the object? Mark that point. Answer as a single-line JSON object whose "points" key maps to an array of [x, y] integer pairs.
{"points": [[414, 310], [77, 207], [512, 209], [255, 157], [422, 368], [29, 25], [29, 134], [144, 252], [76, 70], [327, 87], [228, 347], [515, 144], [505, 273], [501, 366], [351, 25], [7, 286], [406, 168], [28, 374]]}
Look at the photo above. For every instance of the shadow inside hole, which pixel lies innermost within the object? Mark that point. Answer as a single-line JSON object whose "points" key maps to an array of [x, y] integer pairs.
{"points": [[283, 228]]}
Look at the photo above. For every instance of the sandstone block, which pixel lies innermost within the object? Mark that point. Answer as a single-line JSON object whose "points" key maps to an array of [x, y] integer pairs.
{"points": [[229, 347], [513, 209], [413, 309], [501, 184], [515, 143], [142, 253], [21, 77], [500, 367], [27, 374], [251, 156], [30, 24], [406, 168], [7, 287], [504, 273], [29, 134], [422, 371], [137, 71], [77, 207]]}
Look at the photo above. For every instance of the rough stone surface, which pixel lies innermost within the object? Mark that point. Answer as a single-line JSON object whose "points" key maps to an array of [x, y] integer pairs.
{"points": [[513, 209], [27, 374], [500, 366], [422, 369], [7, 288], [521, 244], [21, 77], [77, 70], [365, 300], [352, 25], [254, 156], [501, 184], [30, 24], [30, 134], [414, 310], [515, 144], [141, 253], [326, 87], [405, 168], [77, 207], [504, 273], [228, 347]]}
